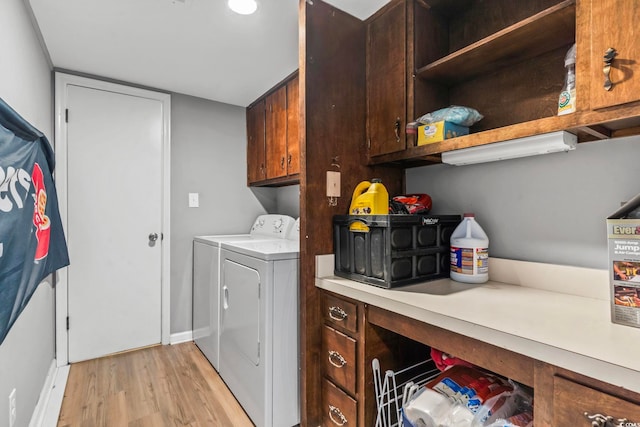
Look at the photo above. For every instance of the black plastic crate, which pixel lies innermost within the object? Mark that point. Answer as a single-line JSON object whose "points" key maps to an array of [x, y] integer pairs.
{"points": [[397, 250]]}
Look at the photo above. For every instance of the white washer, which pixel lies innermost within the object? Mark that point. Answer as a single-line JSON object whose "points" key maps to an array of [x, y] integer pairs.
{"points": [[206, 278], [259, 346]]}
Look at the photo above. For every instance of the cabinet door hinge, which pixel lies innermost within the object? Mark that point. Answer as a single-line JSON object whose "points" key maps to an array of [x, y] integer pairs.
{"points": [[66, 115], [67, 323]]}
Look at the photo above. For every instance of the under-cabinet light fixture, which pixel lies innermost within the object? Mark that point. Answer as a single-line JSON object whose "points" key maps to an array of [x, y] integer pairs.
{"points": [[530, 146], [243, 7]]}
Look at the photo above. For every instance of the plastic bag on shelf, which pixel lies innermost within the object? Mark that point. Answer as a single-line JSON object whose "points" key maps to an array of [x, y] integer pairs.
{"points": [[444, 361], [463, 116], [514, 407]]}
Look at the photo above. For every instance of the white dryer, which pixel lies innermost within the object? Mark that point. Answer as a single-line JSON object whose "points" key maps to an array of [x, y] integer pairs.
{"points": [[259, 346], [206, 278]]}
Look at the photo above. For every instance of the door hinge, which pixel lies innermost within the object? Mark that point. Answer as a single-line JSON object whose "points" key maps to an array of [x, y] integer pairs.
{"points": [[66, 115], [67, 323]]}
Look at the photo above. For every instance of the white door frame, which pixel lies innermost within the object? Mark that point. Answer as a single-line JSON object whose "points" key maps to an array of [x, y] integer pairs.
{"points": [[62, 82]]}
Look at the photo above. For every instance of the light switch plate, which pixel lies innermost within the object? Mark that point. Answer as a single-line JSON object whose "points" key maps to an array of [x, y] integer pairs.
{"points": [[194, 201], [333, 184]]}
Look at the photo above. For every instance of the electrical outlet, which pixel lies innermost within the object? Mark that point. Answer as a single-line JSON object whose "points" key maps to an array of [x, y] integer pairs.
{"points": [[12, 408]]}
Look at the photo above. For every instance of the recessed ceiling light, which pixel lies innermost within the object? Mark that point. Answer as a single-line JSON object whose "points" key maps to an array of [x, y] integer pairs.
{"points": [[243, 7]]}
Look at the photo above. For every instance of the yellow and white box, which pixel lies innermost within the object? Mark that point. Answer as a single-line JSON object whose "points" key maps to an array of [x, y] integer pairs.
{"points": [[623, 230], [439, 131]]}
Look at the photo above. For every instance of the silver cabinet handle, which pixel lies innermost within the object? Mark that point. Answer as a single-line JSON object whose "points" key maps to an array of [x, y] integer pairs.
{"points": [[599, 420], [337, 357], [609, 55], [337, 314], [153, 237], [337, 413]]}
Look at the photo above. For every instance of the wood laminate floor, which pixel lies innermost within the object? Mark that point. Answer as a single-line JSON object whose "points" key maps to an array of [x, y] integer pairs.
{"points": [[171, 385]]}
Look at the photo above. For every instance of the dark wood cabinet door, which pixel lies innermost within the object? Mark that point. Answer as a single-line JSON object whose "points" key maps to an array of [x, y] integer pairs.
{"points": [[612, 22], [276, 114], [386, 81], [256, 143], [572, 400], [293, 118]]}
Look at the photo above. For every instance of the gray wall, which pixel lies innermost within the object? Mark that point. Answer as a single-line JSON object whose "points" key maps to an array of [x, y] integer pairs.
{"points": [[25, 83], [549, 208], [288, 200], [208, 156]]}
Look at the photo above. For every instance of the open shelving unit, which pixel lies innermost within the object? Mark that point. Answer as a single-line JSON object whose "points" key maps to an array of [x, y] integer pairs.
{"points": [[543, 32], [512, 71]]}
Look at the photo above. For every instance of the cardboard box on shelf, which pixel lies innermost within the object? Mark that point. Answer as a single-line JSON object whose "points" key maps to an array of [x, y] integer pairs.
{"points": [[439, 131], [623, 230]]}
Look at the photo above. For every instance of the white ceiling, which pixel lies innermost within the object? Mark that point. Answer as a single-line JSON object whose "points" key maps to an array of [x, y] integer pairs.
{"points": [[194, 47]]}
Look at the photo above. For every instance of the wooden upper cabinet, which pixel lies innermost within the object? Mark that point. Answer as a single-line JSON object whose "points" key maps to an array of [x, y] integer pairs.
{"points": [[612, 26], [276, 123], [386, 80], [273, 146], [293, 119], [256, 142]]}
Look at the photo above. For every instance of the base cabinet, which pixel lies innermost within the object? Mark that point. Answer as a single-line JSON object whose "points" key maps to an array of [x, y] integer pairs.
{"points": [[339, 362], [354, 333], [578, 405]]}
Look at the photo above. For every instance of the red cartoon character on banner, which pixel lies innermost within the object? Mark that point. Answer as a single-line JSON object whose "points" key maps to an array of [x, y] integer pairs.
{"points": [[40, 219]]}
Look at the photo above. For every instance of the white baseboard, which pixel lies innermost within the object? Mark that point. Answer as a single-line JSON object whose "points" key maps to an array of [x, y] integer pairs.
{"points": [[181, 337], [47, 410]]}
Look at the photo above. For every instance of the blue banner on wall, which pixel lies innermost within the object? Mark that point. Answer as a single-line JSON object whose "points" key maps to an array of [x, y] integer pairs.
{"points": [[32, 243]]}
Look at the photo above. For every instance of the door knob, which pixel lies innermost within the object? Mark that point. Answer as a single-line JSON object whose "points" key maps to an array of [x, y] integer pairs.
{"points": [[153, 237]]}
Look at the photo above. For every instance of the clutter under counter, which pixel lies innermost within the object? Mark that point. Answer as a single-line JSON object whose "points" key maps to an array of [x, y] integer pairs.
{"points": [[526, 330]]}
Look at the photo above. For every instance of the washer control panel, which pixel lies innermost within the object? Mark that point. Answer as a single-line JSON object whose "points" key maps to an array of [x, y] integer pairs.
{"points": [[273, 225]]}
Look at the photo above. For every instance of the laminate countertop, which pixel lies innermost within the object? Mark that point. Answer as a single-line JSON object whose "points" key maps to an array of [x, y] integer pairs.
{"points": [[521, 309]]}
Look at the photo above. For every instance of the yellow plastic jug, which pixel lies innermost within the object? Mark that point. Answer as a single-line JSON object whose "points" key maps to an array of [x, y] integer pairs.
{"points": [[369, 198]]}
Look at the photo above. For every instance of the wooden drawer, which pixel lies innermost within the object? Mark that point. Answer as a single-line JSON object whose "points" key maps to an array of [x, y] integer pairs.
{"points": [[338, 409], [340, 313], [339, 355], [571, 400]]}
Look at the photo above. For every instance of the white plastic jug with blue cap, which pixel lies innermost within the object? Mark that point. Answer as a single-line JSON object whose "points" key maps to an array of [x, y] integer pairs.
{"points": [[469, 252]]}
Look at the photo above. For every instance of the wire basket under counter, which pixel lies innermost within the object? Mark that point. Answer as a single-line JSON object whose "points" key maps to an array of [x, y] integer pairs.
{"points": [[395, 388]]}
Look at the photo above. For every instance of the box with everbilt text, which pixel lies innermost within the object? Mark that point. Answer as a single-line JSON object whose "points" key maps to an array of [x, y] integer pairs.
{"points": [[623, 229]]}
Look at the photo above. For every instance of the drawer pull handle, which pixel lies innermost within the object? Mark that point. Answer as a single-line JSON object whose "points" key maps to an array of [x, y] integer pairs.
{"points": [[337, 314], [333, 411], [599, 420], [609, 55], [339, 360]]}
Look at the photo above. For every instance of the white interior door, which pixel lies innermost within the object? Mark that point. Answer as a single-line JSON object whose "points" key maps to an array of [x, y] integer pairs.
{"points": [[114, 204]]}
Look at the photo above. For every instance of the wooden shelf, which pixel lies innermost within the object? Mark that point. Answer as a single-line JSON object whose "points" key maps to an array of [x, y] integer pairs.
{"points": [[542, 32], [424, 154], [588, 125]]}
